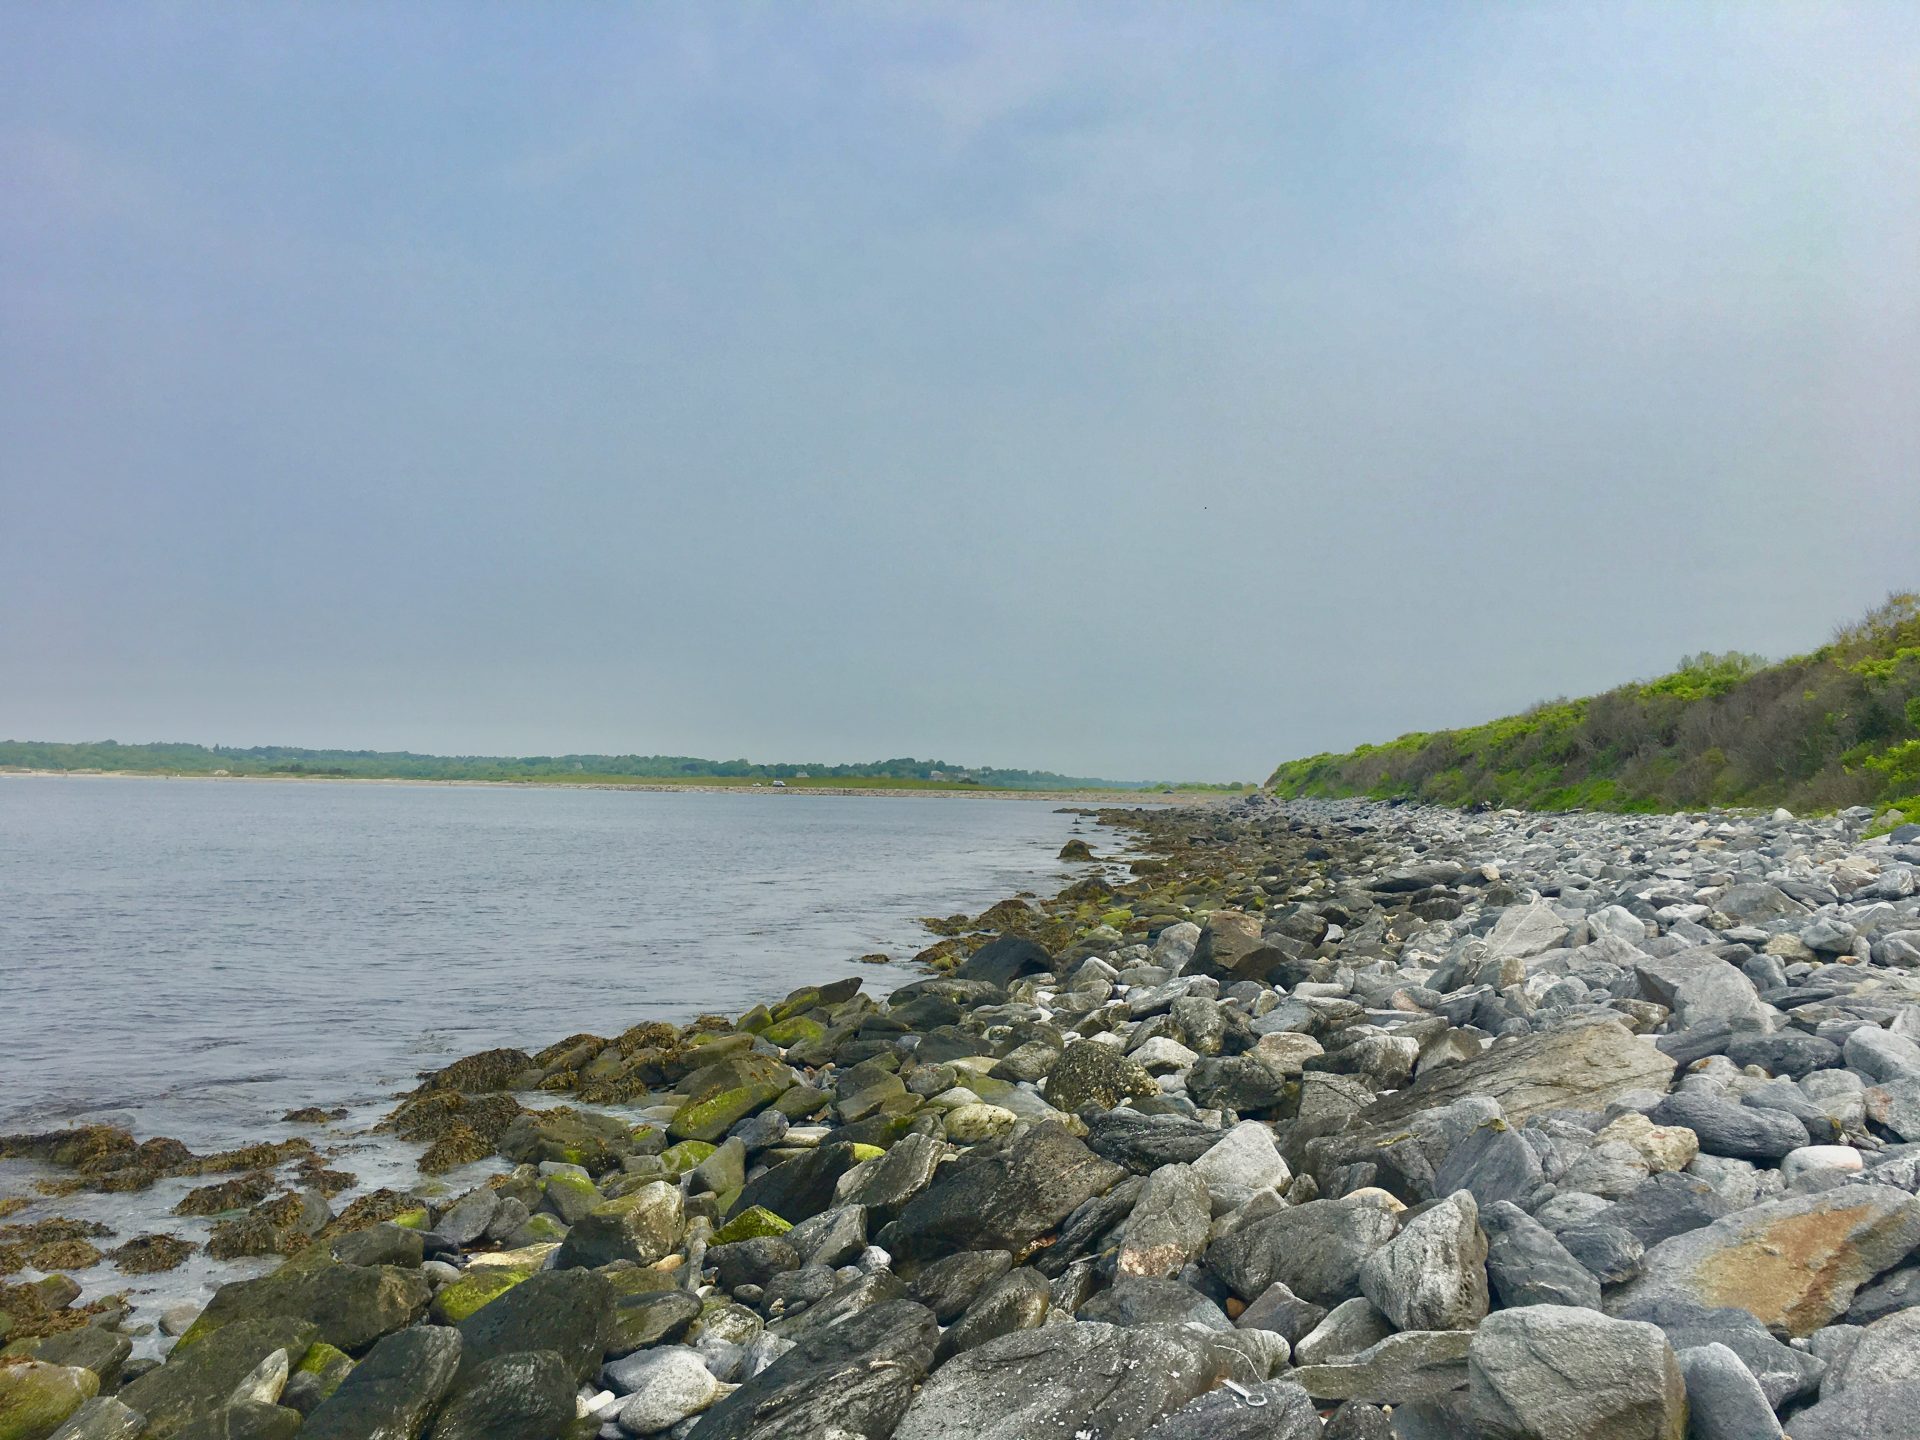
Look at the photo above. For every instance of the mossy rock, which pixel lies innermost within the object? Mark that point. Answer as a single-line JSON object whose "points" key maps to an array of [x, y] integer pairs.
{"points": [[477, 1285], [794, 1030], [36, 1398], [754, 1021], [711, 1118], [797, 1003], [863, 1153], [328, 1365], [539, 1229], [753, 1223], [685, 1156]]}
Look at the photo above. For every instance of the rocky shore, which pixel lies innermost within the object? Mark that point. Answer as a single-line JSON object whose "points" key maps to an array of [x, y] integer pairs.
{"points": [[1320, 1120]]}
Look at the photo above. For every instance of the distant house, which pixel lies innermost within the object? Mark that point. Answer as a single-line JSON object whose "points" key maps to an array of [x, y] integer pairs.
{"points": [[802, 775], [779, 784]]}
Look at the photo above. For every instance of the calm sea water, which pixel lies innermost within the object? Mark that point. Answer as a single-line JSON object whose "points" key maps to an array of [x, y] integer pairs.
{"points": [[192, 958]]}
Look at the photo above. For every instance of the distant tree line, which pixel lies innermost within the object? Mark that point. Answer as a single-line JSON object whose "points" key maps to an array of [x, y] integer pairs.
{"points": [[1835, 728], [187, 759]]}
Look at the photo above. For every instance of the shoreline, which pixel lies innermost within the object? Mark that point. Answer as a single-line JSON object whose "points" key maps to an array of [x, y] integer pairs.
{"points": [[1346, 1104], [1114, 798]]}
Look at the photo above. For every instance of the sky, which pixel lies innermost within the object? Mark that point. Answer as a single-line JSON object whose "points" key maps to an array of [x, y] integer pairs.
{"points": [[1135, 390]]}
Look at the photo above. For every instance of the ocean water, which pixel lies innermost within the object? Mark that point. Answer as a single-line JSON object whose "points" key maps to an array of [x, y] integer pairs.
{"points": [[193, 958]]}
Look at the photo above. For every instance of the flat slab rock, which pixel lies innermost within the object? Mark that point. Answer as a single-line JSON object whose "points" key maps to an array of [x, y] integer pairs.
{"points": [[1061, 1382], [1582, 1067], [1793, 1263]]}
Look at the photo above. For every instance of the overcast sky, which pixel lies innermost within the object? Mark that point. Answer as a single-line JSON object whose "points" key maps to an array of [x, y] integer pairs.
{"points": [[1135, 390]]}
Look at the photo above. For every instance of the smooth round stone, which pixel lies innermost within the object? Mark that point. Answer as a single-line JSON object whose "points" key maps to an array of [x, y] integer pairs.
{"points": [[1836, 1159]]}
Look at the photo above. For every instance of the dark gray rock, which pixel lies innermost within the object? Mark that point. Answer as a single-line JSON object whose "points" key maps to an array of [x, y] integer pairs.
{"points": [[649, 1317], [947, 1287], [1610, 1252], [528, 1396], [245, 1420], [1002, 961], [1792, 1053], [1433, 1274], [833, 1237], [1727, 1128], [1784, 1373], [101, 1418], [1168, 1225], [1274, 1410], [1143, 1143], [1553, 1372], [1237, 1083], [1526, 1265], [1664, 1206], [1018, 1300], [883, 1186], [1494, 1162], [1090, 1226], [1316, 1249], [197, 1379], [801, 1187], [862, 1292], [1149, 1300], [856, 1377], [569, 1312], [1357, 1420], [390, 1394], [1724, 1401], [1004, 1200], [1278, 1309], [1879, 1412], [1061, 1381], [752, 1262]]}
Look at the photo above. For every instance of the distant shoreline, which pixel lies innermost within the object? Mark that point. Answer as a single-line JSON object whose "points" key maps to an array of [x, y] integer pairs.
{"points": [[698, 787]]}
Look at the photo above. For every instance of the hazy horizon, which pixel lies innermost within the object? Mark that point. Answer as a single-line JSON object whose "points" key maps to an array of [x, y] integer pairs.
{"points": [[1117, 390]]}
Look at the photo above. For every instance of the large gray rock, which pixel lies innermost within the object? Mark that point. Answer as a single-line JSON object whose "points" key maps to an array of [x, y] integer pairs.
{"points": [[1580, 1067], [1316, 1249], [948, 1286], [662, 1387], [102, 1418], [1169, 1224], [1059, 1382], [1793, 1263], [198, 1378], [1523, 931], [569, 1312], [1243, 1163], [1433, 1274], [1724, 1401], [1411, 1365], [1725, 1127], [1018, 1300], [390, 1394], [1554, 1372], [1089, 1073], [1276, 1410], [884, 1185], [640, 1228], [1526, 1265], [528, 1396], [1873, 1412], [853, 1378], [1002, 1201], [1887, 1352]]}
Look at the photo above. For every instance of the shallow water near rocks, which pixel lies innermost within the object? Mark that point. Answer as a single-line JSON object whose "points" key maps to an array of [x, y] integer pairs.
{"points": [[195, 958]]}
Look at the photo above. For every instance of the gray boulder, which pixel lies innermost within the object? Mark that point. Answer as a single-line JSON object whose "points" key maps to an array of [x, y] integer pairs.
{"points": [[1554, 1372], [393, 1390], [1316, 1249], [569, 1312], [1059, 1382], [1526, 1265], [528, 1396], [1004, 1200], [1275, 1410], [1433, 1274], [1169, 1224], [1724, 1401]]}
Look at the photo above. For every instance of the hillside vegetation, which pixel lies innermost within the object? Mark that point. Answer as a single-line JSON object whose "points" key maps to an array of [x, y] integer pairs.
{"points": [[1835, 728], [184, 759]]}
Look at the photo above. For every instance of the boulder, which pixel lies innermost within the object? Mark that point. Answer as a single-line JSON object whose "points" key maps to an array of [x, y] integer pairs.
{"points": [[198, 1378], [1088, 1073], [1579, 1067], [1433, 1274], [1410, 1365], [1875, 1412], [353, 1305], [102, 1418], [1724, 1127], [640, 1228], [1886, 1353], [1316, 1249], [1724, 1401], [1239, 1165], [949, 1285], [1169, 1224], [390, 1394], [662, 1388], [1273, 1410], [569, 1312], [856, 1377], [524, 1396], [1059, 1382], [1004, 1200], [36, 1397], [1019, 1300], [1555, 1372], [1794, 1263], [1526, 1265]]}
